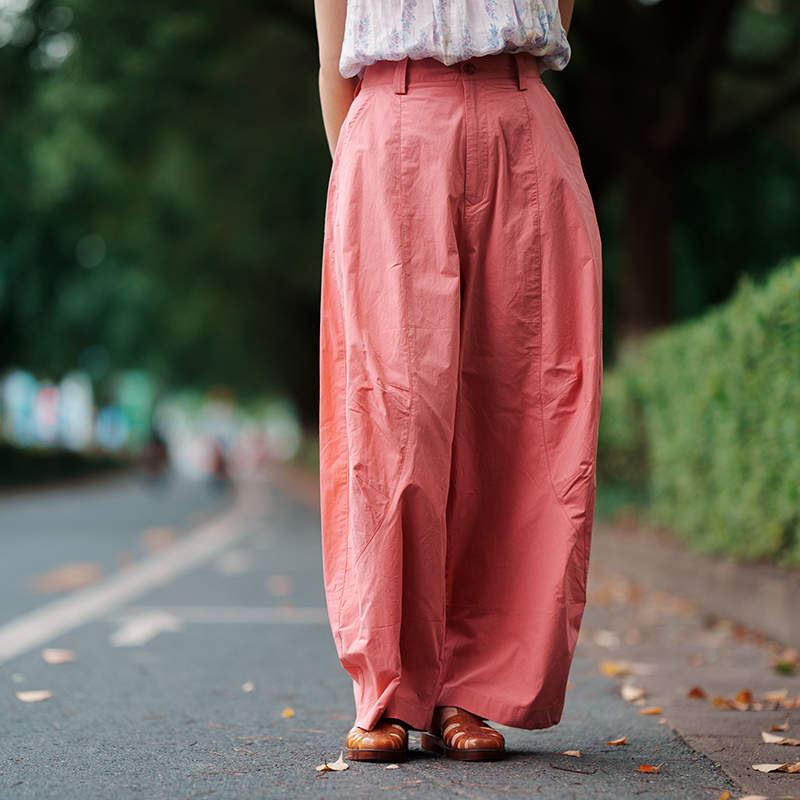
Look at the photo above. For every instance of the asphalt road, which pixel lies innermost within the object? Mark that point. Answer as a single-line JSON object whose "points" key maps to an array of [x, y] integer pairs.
{"points": [[207, 669]]}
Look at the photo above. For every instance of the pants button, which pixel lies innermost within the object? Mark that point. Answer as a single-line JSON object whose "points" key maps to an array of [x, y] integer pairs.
{"points": [[469, 69]]}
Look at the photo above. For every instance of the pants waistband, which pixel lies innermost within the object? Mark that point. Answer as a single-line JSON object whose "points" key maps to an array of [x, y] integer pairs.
{"points": [[521, 68]]}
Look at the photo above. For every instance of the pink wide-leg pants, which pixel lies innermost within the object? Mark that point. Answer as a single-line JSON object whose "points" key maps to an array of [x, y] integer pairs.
{"points": [[461, 370]]}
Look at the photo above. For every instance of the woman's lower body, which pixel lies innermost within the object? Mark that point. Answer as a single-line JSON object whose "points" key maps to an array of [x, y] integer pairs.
{"points": [[460, 373]]}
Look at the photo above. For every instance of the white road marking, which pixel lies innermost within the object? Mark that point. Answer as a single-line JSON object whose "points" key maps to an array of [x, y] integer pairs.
{"points": [[41, 626], [225, 615], [234, 562], [143, 628]]}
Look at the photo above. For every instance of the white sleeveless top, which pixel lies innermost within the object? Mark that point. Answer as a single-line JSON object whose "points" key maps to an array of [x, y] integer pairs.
{"points": [[451, 31]]}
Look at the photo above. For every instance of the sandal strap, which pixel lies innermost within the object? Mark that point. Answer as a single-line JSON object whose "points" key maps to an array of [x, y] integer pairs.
{"points": [[463, 731]]}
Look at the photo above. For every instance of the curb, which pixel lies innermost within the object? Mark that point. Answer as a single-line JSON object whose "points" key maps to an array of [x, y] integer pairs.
{"points": [[759, 596]]}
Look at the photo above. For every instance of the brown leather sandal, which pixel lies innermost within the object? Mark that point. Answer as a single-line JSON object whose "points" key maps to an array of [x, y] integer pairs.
{"points": [[465, 737], [387, 741]]}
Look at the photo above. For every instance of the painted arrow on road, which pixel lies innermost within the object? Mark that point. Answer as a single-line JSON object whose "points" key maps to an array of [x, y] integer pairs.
{"points": [[142, 628]]}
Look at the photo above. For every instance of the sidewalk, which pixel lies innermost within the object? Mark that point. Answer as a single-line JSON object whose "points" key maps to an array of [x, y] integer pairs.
{"points": [[682, 621]]}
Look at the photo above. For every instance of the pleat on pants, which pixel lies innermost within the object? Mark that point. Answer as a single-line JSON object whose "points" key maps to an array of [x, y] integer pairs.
{"points": [[460, 392]]}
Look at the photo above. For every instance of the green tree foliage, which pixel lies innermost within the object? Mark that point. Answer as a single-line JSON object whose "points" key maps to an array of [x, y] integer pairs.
{"points": [[163, 173], [183, 139]]}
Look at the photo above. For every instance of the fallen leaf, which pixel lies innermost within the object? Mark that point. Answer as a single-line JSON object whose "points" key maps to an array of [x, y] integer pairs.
{"points": [[68, 578], [776, 697], [607, 639], [788, 767], [696, 693], [616, 742], [57, 656], [771, 738], [745, 696], [783, 727], [651, 711], [575, 753], [650, 768], [631, 693], [392, 766], [287, 713], [280, 585], [34, 696], [726, 795], [338, 766], [249, 686], [722, 702], [615, 669], [155, 540]]}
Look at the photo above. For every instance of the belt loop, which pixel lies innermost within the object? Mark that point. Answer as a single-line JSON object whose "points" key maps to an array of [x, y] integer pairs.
{"points": [[401, 77], [518, 60]]}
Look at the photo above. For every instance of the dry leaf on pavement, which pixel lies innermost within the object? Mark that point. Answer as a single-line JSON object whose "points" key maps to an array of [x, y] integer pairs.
{"points": [[34, 696], [650, 768], [608, 639], [575, 753], [615, 669], [631, 693], [783, 727], [651, 711], [697, 693], [392, 766], [68, 578], [771, 738], [726, 795], [155, 540], [788, 767], [745, 696], [338, 766], [287, 713], [54, 655], [776, 697], [621, 740], [722, 702]]}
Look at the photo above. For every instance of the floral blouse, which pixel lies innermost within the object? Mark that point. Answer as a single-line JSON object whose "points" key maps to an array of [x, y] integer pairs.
{"points": [[451, 31]]}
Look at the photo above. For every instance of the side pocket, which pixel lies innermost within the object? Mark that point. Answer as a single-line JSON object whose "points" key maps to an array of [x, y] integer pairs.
{"points": [[353, 114], [554, 105]]}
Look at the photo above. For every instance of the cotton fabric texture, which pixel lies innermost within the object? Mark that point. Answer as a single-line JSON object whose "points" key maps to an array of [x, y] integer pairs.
{"points": [[460, 369], [451, 31]]}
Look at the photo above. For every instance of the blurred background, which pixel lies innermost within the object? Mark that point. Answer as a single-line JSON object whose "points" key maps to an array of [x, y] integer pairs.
{"points": [[163, 171]]}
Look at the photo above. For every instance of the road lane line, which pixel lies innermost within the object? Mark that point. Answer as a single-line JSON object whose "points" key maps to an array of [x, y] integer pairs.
{"points": [[54, 619], [226, 615]]}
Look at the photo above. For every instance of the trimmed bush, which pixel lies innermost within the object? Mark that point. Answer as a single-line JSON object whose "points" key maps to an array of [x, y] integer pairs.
{"points": [[707, 415]]}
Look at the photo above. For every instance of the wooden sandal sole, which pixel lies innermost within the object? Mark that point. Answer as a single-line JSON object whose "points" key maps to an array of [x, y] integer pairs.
{"points": [[358, 754], [434, 744]]}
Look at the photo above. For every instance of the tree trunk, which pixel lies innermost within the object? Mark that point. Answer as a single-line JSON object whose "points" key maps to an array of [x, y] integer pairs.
{"points": [[646, 256]]}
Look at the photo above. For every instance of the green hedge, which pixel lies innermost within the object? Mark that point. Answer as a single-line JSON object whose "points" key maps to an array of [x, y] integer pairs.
{"points": [[706, 418]]}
